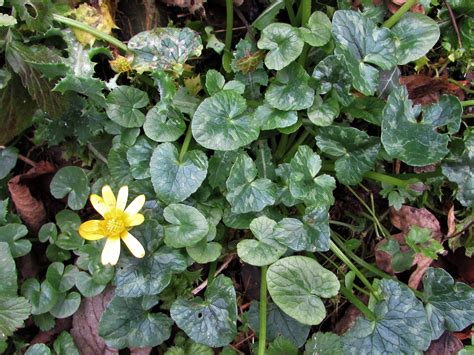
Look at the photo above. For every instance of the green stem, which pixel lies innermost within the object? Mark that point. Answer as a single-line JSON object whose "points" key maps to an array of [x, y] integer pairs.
{"points": [[95, 32], [397, 15], [467, 103], [291, 13], [229, 6], [295, 146], [187, 140], [212, 272], [358, 303], [262, 310], [469, 115], [339, 253], [305, 6], [373, 175], [281, 146]]}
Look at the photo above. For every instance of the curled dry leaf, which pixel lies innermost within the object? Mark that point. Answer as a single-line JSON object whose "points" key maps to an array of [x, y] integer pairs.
{"points": [[85, 325], [23, 189], [447, 344], [424, 89]]}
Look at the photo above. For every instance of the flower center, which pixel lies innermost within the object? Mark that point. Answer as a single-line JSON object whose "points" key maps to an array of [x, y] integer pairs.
{"points": [[114, 224]]}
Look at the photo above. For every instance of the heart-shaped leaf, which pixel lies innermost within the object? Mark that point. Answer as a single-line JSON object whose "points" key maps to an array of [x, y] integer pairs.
{"points": [[66, 305], [124, 104], [164, 123], [204, 252], [222, 122], [13, 234], [324, 344], [265, 250], [297, 283], [188, 226], [211, 321], [139, 156], [175, 180], [71, 181], [318, 29], [271, 118], [323, 112], [42, 296], [331, 75]]}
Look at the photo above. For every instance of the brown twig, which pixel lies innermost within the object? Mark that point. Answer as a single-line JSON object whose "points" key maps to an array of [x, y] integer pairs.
{"points": [[23, 158], [455, 25], [466, 227], [221, 268]]}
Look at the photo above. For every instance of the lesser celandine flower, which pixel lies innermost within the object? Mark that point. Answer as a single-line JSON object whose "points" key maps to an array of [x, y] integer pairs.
{"points": [[116, 224]]}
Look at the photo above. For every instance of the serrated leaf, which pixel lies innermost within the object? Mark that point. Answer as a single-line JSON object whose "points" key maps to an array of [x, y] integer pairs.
{"points": [[324, 344], [449, 305], [164, 123], [363, 45], [127, 322], [8, 277], [222, 122], [266, 249], [164, 49], [305, 185], [416, 35], [319, 27], [356, 151], [175, 180], [278, 324], [284, 43], [417, 143], [87, 86], [73, 182], [188, 226], [12, 234], [211, 321], [36, 13], [297, 283], [401, 324], [124, 104], [289, 91], [245, 192]]}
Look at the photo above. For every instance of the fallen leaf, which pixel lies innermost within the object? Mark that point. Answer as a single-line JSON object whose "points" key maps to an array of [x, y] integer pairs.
{"points": [[447, 344], [140, 351], [349, 317], [98, 17], [451, 222], [24, 191], [85, 325], [394, 5], [424, 89]]}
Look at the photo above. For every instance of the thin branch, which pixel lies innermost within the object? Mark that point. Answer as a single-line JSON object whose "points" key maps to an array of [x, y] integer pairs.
{"points": [[455, 25], [221, 268]]}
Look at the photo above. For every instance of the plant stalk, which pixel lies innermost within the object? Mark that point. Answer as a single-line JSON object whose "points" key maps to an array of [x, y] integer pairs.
{"points": [[467, 103], [262, 311], [212, 272], [186, 142], [95, 32], [358, 303], [281, 146], [305, 14], [291, 13], [229, 6], [400, 12]]}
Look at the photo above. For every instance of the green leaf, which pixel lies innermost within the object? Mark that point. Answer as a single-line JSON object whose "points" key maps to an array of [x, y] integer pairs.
{"points": [[355, 150], [323, 113], [220, 164], [311, 234], [90, 87], [449, 305], [324, 344], [164, 123], [188, 226], [283, 42], [215, 82], [282, 345], [42, 296], [222, 122], [150, 275], [7, 20], [245, 192], [289, 91], [331, 75], [12, 234], [138, 156], [66, 305], [87, 286], [45, 321], [319, 27], [119, 166], [69, 238], [366, 108], [60, 277], [8, 158], [211, 321], [278, 324], [71, 181], [266, 249], [8, 278], [284, 171], [164, 49], [128, 322], [13, 312], [403, 137], [447, 111], [64, 344], [124, 104], [271, 118], [38, 349], [363, 45], [401, 325], [416, 35], [174, 180], [204, 252], [37, 14], [297, 283], [304, 185]]}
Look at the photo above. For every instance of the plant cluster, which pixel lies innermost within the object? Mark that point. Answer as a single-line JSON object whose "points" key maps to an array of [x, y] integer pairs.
{"points": [[247, 162]]}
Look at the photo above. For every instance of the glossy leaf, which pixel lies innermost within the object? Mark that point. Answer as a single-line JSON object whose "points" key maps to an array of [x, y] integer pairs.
{"points": [[71, 181], [124, 104], [139, 156], [164, 123], [188, 226], [324, 344], [318, 29], [13, 234], [8, 158], [271, 118]]}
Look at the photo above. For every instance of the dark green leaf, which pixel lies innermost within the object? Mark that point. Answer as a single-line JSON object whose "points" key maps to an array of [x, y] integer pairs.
{"points": [[164, 123], [124, 104], [324, 344], [139, 156], [323, 113], [8, 157], [42, 296], [319, 27], [64, 345], [204, 252], [8, 278], [271, 118], [71, 181], [188, 225], [220, 165], [66, 305], [332, 75], [12, 234]]}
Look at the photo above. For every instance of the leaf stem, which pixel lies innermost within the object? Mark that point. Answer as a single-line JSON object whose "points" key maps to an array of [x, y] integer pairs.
{"points": [[93, 31], [305, 6], [400, 12], [358, 303], [340, 254], [229, 6], [185, 146], [295, 146], [291, 13], [281, 146], [262, 311], [212, 272], [467, 103]]}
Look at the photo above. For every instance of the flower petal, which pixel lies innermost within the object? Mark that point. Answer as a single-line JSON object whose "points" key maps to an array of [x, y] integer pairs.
{"points": [[135, 247], [99, 204], [111, 252], [134, 220], [91, 230], [136, 205], [108, 196], [122, 198]]}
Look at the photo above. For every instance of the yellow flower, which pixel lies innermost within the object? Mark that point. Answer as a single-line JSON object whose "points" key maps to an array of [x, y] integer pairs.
{"points": [[117, 221]]}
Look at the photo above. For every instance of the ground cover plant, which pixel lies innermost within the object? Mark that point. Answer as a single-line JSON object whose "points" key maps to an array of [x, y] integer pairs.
{"points": [[279, 177]]}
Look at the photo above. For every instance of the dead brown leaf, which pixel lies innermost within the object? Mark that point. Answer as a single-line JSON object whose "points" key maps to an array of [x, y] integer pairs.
{"points": [[85, 325], [424, 89], [24, 191], [447, 344], [350, 316], [394, 5], [451, 222]]}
